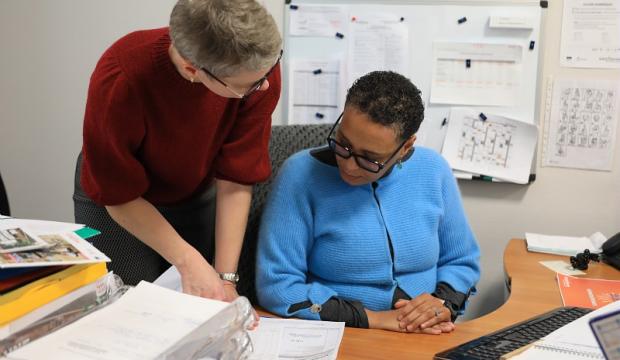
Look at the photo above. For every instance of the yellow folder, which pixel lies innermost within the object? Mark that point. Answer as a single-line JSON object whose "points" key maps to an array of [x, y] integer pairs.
{"points": [[38, 293]]}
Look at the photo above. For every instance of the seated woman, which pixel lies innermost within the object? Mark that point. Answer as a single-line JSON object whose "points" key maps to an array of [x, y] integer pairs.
{"points": [[369, 230]]}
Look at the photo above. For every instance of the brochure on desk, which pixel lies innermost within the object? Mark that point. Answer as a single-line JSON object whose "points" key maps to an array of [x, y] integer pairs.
{"points": [[13, 239], [590, 293], [56, 244], [61, 249]]}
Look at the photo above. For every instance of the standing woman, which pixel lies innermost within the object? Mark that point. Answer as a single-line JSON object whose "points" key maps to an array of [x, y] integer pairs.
{"points": [[176, 131]]}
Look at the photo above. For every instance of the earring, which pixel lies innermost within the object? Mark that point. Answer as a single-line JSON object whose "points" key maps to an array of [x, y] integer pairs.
{"points": [[399, 164], [191, 79]]}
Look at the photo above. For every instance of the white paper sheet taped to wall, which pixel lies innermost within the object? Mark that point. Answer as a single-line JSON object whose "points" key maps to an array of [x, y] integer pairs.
{"points": [[581, 122], [591, 34]]}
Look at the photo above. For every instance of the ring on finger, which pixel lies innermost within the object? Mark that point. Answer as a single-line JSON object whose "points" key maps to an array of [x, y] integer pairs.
{"points": [[437, 312]]}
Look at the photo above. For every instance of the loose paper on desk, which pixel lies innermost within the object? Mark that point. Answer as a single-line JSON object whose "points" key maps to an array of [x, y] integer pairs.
{"points": [[142, 324], [572, 341], [564, 245], [296, 339], [316, 20], [580, 128], [499, 147], [313, 91], [476, 73], [562, 267], [281, 338], [377, 42], [591, 34]]}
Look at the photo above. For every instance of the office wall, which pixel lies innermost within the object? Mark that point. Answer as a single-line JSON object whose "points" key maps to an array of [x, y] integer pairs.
{"points": [[49, 49], [560, 201]]}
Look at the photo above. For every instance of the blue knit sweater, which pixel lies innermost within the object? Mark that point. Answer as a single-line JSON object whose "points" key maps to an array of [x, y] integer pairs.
{"points": [[321, 237]]}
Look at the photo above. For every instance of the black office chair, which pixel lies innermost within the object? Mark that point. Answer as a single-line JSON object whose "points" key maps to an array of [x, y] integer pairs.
{"points": [[136, 261], [4, 200], [285, 141]]}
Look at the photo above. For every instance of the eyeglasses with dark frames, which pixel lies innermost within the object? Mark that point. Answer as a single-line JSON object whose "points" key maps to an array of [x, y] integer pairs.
{"points": [[363, 162], [257, 85]]}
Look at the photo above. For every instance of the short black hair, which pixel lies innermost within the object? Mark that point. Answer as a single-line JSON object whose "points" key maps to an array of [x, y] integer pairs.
{"points": [[390, 99]]}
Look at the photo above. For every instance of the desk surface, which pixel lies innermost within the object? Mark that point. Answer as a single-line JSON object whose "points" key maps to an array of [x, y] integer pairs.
{"points": [[534, 291]]}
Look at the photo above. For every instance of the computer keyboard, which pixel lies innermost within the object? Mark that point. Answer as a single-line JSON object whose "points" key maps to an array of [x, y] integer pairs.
{"points": [[496, 344]]}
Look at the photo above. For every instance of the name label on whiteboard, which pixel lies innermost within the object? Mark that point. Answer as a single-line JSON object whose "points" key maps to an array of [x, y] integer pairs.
{"points": [[511, 22]]}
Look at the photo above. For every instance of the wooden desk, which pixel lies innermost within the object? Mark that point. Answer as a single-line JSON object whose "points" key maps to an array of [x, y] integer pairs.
{"points": [[533, 291]]}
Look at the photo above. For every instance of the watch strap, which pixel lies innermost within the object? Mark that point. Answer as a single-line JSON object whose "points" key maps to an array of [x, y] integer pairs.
{"points": [[232, 277]]}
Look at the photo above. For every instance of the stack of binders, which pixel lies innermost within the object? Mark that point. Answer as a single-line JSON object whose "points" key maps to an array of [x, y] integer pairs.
{"points": [[149, 322], [63, 303], [46, 267]]}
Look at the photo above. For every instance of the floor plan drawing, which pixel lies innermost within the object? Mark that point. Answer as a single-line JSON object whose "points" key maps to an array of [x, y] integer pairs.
{"points": [[486, 142], [482, 143]]}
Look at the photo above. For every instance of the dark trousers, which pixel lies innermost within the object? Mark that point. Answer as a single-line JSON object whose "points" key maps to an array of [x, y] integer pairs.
{"points": [[132, 260]]}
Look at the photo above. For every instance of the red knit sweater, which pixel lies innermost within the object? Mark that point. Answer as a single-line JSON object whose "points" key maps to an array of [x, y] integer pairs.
{"points": [[149, 132]]}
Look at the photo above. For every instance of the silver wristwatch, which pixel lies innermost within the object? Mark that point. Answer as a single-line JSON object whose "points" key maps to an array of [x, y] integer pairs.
{"points": [[232, 277]]}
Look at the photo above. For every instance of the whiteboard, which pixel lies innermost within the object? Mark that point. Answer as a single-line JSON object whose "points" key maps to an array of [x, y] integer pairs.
{"points": [[430, 22]]}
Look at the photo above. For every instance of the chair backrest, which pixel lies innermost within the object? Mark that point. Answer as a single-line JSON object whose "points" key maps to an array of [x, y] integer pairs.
{"points": [[285, 141], [4, 200]]}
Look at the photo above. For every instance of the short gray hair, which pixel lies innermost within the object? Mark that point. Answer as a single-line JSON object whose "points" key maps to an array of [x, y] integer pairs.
{"points": [[225, 36]]}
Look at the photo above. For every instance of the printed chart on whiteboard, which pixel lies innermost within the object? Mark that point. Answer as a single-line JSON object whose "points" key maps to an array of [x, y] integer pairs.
{"points": [[314, 91], [476, 74], [378, 42]]}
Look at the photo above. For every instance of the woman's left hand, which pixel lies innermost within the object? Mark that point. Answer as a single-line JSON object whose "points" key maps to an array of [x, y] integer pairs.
{"points": [[437, 329], [423, 312], [230, 294]]}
